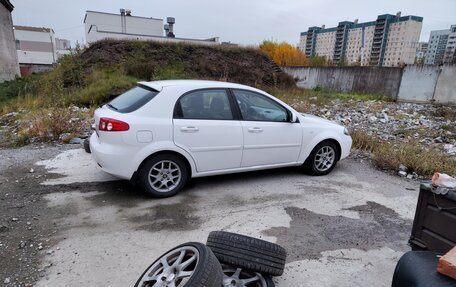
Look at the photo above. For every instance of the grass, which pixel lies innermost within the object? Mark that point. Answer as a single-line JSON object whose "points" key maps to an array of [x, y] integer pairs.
{"points": [[415, 157], [445, 112]]}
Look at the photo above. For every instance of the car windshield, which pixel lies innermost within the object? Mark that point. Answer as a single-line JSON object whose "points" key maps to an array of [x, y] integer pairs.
{"points": [[132, 99]]}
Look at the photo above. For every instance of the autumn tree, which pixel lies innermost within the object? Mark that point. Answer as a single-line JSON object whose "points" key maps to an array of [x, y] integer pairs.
{"points": [[319, 61], [284, 54]]}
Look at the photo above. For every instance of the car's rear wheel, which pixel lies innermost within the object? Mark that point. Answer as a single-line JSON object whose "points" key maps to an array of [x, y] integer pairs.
{"points": [[163, 175], [322, 159]]}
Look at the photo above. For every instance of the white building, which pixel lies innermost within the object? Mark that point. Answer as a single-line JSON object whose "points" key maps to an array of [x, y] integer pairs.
{"points": [[101, 25], [37, 49], [391, 40], [63, 47], [442, 46]]}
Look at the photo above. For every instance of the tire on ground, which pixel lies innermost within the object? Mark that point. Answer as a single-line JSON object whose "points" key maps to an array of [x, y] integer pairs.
{"points": [[247, 252], [207, 272], [86, 145], [143, 175]]}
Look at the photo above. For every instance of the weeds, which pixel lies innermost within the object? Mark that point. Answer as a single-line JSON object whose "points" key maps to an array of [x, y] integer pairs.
{"points": [[172, 71], [424, 161], [445, 112], [46, 125]]}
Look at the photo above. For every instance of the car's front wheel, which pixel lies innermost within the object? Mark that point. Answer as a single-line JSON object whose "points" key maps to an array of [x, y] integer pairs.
{"points": [[322, 159], [163, 175]]}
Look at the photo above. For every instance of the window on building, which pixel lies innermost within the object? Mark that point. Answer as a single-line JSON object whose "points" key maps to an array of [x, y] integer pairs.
{"points": [[18, 45]]}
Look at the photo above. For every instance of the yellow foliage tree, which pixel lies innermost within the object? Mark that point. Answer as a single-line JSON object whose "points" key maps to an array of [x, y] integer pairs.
{"points": [[284, 54]]}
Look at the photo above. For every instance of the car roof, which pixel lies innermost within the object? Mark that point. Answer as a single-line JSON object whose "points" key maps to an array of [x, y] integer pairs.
{"points": [[193, 84]]}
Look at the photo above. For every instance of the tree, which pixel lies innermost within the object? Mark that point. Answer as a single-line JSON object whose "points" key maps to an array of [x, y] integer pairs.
{"points": [[284, 54], [319, 61]]}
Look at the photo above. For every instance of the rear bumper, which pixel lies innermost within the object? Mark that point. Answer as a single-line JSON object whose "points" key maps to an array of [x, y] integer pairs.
{"points": [[113, 159]]}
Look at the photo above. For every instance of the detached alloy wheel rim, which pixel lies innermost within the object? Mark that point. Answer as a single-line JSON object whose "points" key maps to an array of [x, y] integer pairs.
{"points": [[164, 176], [324, 158], [236, 277], [173, 269]]}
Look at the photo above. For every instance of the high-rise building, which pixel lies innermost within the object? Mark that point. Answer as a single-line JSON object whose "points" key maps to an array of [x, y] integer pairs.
{"points": [[442, 46], [421, 52], [391, 40]]}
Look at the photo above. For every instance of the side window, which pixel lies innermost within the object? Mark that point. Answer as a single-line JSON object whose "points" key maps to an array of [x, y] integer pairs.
{"points": [[204, 105], [256, 107]]}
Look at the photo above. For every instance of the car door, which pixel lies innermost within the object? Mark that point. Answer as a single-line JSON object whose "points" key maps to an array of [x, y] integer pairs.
{"points": [[204, 125], [269, 136]]}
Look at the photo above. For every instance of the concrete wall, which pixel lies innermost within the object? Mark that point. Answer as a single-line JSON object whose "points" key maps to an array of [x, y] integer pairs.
{"points": [[376, 80], [445, 91], [413, 83], [418, 83], [9, 67]]}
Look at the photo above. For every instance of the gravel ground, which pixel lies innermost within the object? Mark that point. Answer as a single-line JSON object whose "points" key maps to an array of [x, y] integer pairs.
{"points": [[82, 228]]}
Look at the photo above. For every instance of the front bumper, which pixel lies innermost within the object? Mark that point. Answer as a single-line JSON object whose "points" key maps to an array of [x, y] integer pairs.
{"points": [[345, 145]]}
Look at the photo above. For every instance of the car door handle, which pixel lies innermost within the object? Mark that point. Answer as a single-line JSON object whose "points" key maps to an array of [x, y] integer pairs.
{"points": [[255, 130], [189, 129]]}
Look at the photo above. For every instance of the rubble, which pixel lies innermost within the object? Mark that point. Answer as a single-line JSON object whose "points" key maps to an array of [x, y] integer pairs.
{"points": [[402, 173], [395, 122], [429, 125]]}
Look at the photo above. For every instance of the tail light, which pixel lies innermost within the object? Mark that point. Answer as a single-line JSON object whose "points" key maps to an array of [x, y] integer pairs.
{"points": [[112, 125]]}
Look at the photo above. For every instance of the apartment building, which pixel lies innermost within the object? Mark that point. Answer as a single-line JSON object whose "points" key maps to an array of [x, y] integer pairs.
{"points": [[391, 40], [442, 47], [102, 25], [421, 52], [38, 49]]}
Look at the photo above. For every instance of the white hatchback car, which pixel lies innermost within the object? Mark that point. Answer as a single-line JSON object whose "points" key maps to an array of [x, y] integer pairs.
{"points": [[162, 133]]}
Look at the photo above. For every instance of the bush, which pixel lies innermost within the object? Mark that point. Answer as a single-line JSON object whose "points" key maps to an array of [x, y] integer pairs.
{"points": [[18, 87], [284, 54]]}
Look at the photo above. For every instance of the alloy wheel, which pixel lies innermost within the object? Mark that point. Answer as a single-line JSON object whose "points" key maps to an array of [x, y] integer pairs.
{"points": [[236, 277], [173, 269], [324, 158], [164, 176]]}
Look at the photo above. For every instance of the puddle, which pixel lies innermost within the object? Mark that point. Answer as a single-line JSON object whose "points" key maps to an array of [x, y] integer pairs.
{"points": [[310, 233]]}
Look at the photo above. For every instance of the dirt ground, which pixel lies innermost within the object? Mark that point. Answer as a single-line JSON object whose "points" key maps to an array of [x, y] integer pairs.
{"points": [[63, 222]]}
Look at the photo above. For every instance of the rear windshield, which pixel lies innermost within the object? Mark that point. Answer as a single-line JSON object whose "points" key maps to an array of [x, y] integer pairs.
{"points": [[132, 99]]}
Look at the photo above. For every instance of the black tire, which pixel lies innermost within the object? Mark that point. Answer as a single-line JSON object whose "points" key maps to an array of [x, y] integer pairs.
{"points": [[86, 145], [206, 273], [310, 164], [146, 184], [247, 252]]}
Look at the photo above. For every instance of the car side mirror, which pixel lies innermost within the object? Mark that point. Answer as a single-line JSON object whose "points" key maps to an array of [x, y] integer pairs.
{"points": [[293, 118]]}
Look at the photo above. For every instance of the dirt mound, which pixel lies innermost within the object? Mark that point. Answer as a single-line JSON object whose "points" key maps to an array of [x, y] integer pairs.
{"points": [[147, 60]]}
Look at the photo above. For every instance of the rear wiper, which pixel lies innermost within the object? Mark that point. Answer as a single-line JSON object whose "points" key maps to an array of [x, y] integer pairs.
{"points": [[111, 106]]}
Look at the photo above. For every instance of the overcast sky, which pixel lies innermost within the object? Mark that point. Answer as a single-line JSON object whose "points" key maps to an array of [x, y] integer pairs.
{"points": [[238, 21]]}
